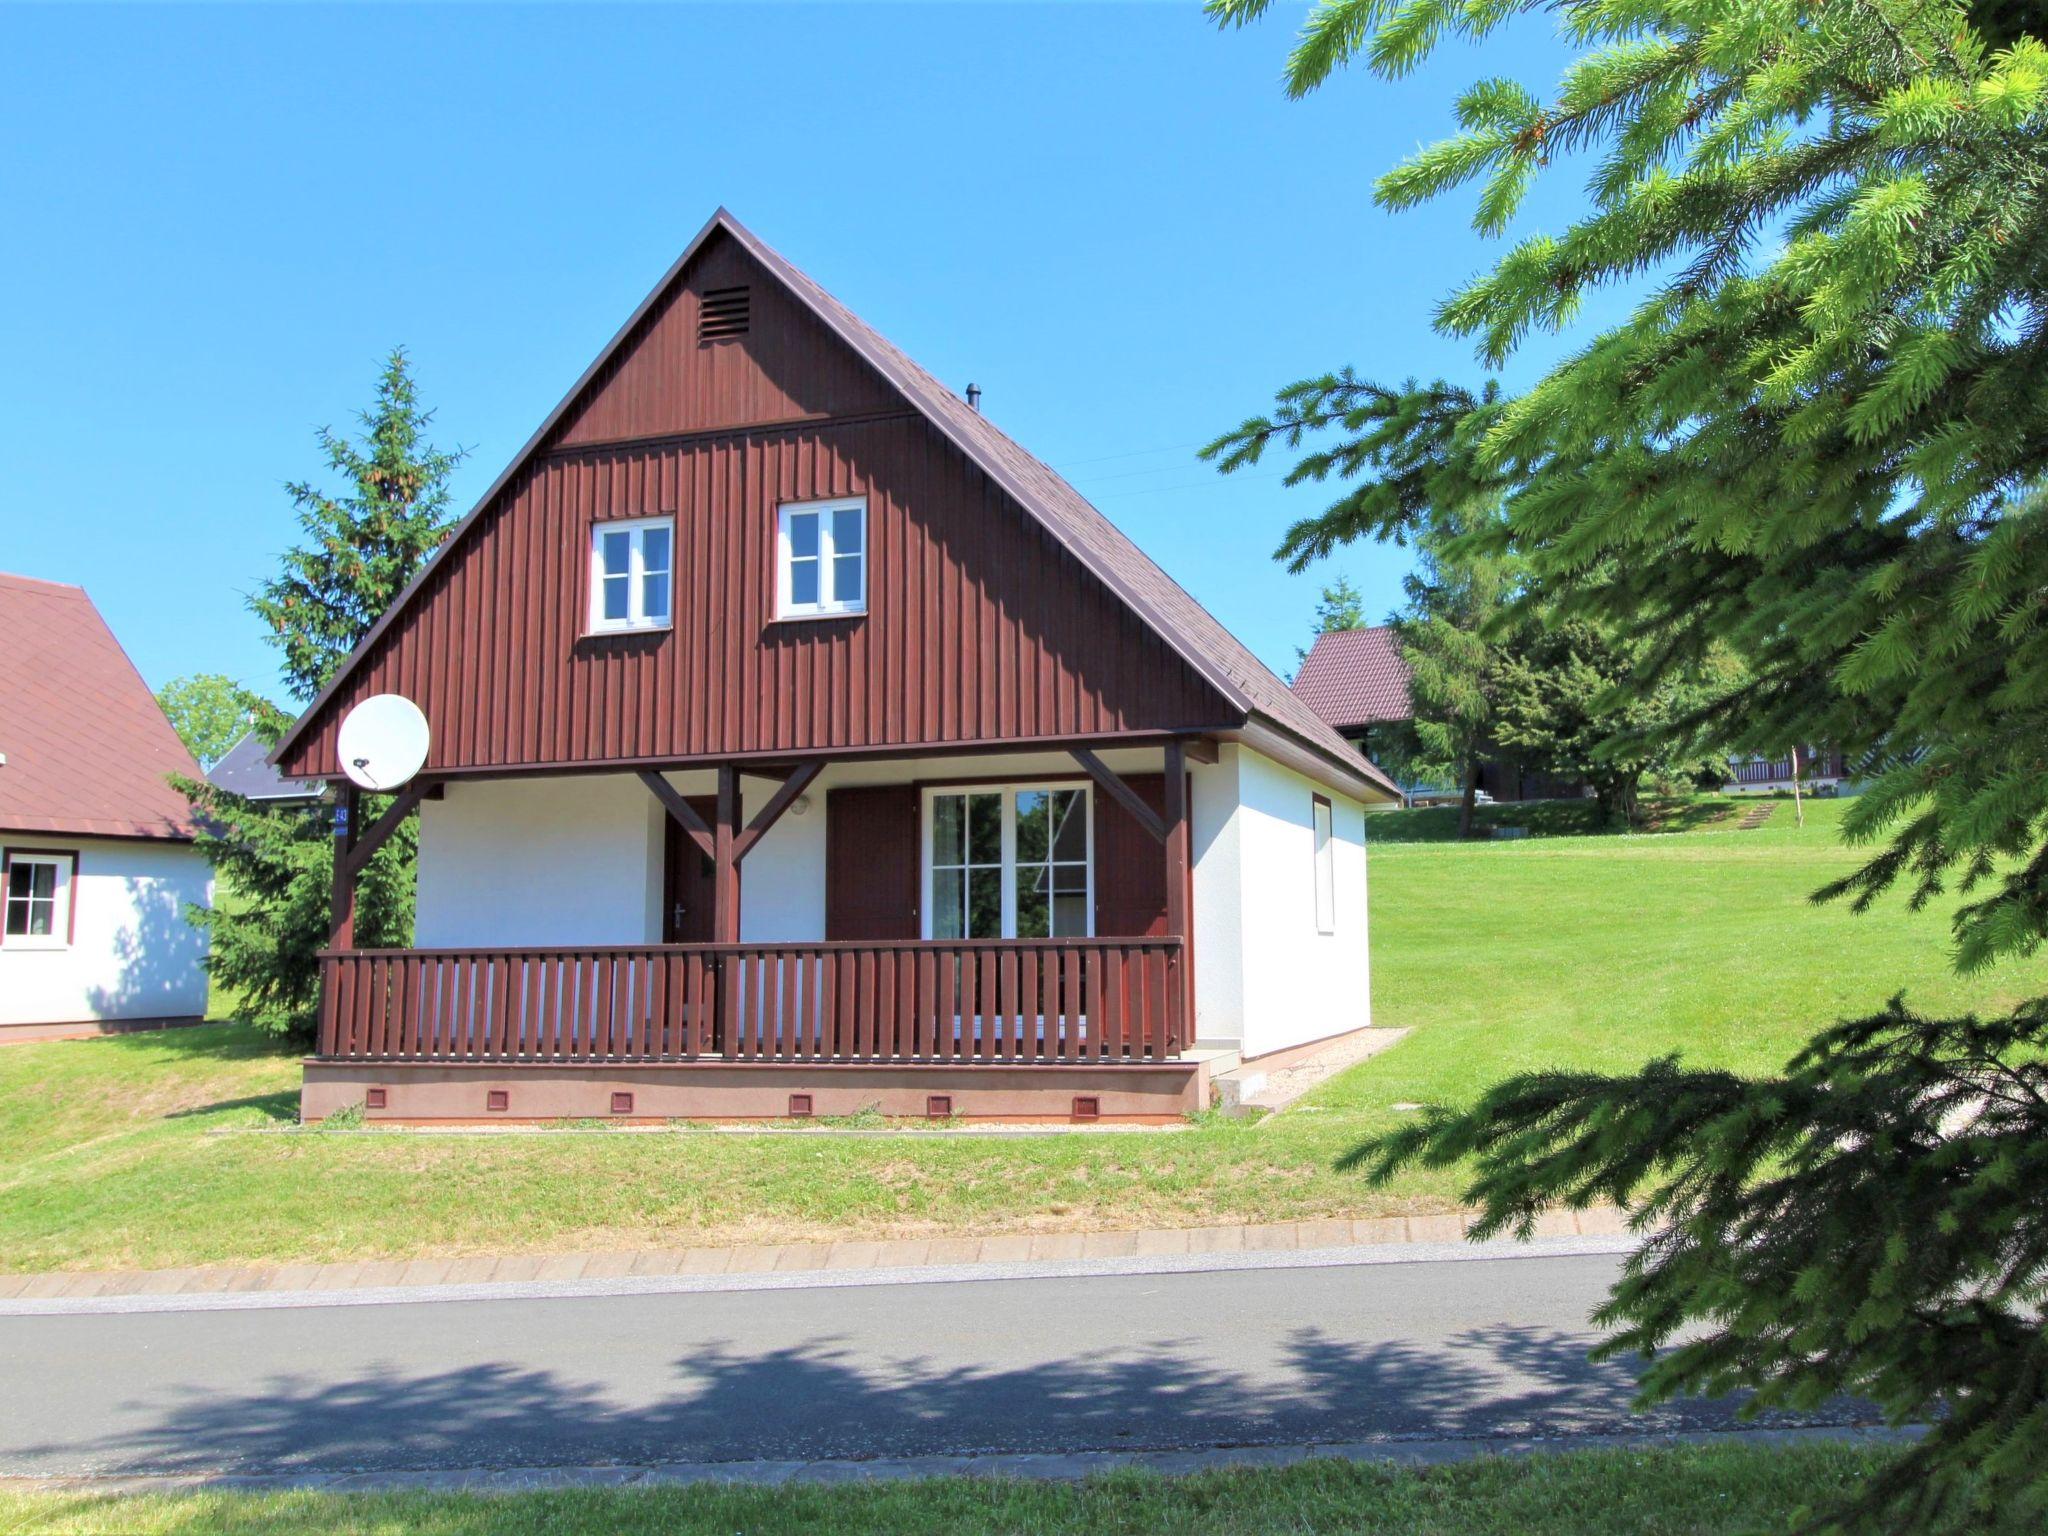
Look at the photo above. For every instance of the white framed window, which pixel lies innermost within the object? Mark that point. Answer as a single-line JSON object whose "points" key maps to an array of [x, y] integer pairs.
{"points": [[632, 574], [1011, 861], [1326, 866], [821, 561], [37, 899]]}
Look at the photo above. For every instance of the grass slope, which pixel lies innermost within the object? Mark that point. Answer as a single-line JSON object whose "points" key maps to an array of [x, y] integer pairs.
{"points": [[1594, 951], [1684, 1491]]}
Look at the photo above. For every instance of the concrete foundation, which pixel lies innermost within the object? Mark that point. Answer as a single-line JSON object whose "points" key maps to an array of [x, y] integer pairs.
{"points": [[727, 1090]]}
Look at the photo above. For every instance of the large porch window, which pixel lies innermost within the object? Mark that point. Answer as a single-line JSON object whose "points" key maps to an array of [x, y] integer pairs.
{"points": [[1009, 862]]}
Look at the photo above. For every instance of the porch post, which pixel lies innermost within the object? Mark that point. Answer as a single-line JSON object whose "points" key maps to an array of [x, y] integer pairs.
{"points": [[341, 920], [725, 917], [1174, 804], [725, 908]]}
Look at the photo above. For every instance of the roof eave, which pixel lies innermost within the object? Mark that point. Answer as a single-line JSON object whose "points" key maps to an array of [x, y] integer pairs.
{"points": [[1357, 777]]}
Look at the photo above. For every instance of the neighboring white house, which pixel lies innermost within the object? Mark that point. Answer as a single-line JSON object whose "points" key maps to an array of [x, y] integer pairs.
{"points": [[97, 865]]}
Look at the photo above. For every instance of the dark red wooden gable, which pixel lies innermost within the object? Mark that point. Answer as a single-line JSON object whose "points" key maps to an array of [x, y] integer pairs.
{"points": [[981, 626]]}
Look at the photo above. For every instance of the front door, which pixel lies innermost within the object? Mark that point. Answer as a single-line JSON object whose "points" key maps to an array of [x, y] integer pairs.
{"points": [[688, 888]]}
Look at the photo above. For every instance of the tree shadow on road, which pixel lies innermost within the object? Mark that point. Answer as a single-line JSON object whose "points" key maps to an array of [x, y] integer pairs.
{"points": [[816, 1399]]}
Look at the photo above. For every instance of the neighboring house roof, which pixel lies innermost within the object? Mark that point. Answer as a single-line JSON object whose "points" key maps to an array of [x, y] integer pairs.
{"points": [[86, 747], [1097, 543], [1355, 677], [245, 770]]}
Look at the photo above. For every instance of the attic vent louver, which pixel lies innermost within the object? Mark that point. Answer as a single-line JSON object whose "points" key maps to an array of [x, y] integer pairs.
{"points": [[723, 314]]}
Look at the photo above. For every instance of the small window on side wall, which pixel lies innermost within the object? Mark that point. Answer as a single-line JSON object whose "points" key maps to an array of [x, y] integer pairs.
{"points": [[822, 559], [37, 896], [1326, 868], [632, 574]]}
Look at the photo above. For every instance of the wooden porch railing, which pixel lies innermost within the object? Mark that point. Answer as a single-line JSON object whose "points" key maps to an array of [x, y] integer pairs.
{"points": [[1009, 1000]]}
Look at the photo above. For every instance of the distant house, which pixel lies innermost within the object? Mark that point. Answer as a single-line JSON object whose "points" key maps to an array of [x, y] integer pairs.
{"points": [[1356, 680], [801, 744], [1820, 771], [245, 770], [96, 857]]}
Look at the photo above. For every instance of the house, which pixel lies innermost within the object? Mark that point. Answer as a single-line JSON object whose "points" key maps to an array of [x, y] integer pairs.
{"points": [[1819, 771], [1356, 681], [800, 744], [245, 770], [97, 864]]}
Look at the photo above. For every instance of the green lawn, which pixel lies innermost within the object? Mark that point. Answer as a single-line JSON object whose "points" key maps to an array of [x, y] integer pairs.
{"points": [[1688, 1491], [1593, 950]]}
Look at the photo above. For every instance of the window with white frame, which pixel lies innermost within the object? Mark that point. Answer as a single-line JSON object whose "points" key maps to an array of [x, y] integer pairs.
{"points": [[822, 559], [1013, 862], [38, 900], [632, 574], [1326, 868]]}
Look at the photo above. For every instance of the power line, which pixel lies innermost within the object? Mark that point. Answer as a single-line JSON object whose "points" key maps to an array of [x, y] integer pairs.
{"points": [[1218, 483], [1135, 453]]}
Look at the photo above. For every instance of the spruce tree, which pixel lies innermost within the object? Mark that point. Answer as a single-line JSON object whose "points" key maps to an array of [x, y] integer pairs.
{"points": [[1819, 439], [1338, 607], [275, 864], [1450, 634]]}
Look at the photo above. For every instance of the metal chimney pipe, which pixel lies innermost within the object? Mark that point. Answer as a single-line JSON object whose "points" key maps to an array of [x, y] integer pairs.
{"points": [[974, 398]]}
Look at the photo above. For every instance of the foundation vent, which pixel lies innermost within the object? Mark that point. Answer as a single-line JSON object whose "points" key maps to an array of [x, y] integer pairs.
{"points": [[1087, 1107], [374, 1098], [799, 1106], [622, 1103], [497, 1100], [938, 1106]]}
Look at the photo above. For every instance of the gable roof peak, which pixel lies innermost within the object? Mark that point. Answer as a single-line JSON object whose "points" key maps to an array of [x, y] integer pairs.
{"points": [[1216, 655]]}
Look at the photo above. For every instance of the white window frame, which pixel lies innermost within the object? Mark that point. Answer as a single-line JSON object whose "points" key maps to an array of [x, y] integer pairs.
{"points": [[1009, 792], [63, 890], [637, 618], [786, 607], [1322, 817]]}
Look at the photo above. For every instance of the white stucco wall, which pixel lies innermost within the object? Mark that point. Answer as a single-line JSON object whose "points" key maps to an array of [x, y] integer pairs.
{"points": [[1298, 984], [573, 860], [132, 954], [1218, 916]]}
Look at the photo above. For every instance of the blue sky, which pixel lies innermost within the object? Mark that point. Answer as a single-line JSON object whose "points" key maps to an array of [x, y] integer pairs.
{"points": [[1109, 217]]}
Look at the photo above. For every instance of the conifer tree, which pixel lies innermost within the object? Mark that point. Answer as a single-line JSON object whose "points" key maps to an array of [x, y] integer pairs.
{"points": [[1338, 607], [1820, 438], [275, 864], [1451, 638]]}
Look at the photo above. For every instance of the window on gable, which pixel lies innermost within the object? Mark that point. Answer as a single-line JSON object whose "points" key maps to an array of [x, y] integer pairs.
{"points": [[632, 574], [823, 559], [38, 901], [1326, 868]]}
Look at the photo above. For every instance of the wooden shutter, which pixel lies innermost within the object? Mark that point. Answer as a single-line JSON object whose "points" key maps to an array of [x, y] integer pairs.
{"points": [[871, 862], [1130, 865]]}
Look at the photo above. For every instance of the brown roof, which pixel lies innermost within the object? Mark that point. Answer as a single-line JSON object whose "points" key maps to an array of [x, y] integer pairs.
{"points": [[1354, 677], [1099, 544], [86, 747]]}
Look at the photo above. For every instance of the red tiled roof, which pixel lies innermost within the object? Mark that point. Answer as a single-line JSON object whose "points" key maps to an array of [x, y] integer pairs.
{"points": [[1354, 677], [86, 747]]}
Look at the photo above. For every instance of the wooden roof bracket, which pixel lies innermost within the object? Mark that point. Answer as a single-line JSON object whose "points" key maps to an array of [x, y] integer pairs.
{"points": [[1120, 792], [685, 815]]}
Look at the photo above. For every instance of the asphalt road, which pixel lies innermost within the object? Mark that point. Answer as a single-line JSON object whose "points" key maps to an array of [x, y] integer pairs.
{"points": [[1423, 1350]]}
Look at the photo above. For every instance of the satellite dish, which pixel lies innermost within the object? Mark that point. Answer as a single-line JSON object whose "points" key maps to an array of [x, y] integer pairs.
{"points": [[383, 741]]}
